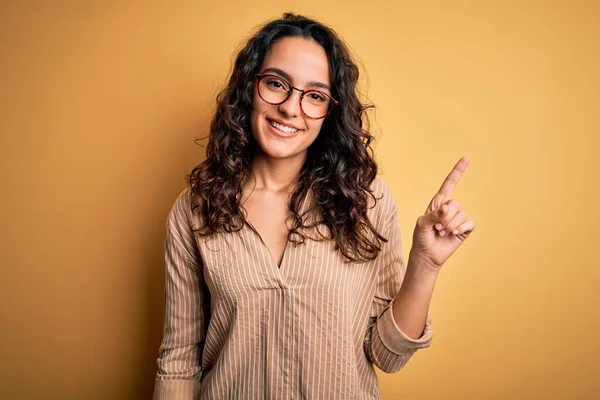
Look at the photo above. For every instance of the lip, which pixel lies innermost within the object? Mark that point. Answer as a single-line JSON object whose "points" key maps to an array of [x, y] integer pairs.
{"points": [[279, 133], [283, 123]]}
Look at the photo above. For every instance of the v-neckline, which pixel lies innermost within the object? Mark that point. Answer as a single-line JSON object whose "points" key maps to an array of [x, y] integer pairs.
{"points": [[278, 266]]}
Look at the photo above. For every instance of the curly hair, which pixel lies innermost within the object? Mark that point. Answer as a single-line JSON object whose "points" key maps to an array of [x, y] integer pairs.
{"points": [[339, 166]]}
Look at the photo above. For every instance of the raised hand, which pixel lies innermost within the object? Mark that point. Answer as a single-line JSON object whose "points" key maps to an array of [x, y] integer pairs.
{"points": [[444, 226]]}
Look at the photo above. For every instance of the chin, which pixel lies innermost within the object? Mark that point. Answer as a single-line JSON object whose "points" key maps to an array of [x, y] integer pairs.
{"points": [[277, 147], [279, 151]]}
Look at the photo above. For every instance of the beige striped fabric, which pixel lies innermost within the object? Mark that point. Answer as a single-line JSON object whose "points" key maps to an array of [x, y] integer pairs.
{"points": [[237, 326]]}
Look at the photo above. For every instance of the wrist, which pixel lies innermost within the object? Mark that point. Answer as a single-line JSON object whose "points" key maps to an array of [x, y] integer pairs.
{"points": [[421, 264]]}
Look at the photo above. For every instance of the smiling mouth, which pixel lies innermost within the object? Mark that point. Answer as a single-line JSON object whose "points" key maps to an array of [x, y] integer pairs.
{"points": [[282, 128]]}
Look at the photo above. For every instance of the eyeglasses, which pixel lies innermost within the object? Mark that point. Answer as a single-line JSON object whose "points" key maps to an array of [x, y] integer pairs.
{"points": [[275, 90]]}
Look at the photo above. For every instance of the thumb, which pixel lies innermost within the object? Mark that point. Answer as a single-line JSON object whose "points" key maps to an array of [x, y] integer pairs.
{"points": [[430, 219]]}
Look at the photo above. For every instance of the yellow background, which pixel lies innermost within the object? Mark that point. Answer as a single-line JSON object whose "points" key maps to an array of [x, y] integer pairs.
{"points": [[100, 105]]}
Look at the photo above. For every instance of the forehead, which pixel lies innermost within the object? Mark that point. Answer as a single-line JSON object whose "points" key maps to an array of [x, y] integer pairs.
{"points": [[303, 59]]}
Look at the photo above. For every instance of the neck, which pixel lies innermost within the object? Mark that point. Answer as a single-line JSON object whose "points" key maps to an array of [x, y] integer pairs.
{"points": [[277, 175]]}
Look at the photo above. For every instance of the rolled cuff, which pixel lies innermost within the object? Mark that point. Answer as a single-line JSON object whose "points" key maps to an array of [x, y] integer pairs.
{"points": [[397, 341], [176, 389]]}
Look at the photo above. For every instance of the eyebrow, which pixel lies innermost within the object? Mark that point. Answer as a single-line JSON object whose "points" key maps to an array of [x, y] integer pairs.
{"points": [[289, 78]]}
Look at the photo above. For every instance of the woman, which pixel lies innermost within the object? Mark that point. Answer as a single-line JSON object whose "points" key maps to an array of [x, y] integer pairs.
{"points": [[283, 257]]}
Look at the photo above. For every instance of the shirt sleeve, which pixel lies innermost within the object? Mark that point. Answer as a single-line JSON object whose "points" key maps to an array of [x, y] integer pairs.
{"points": [[186, 311], [385, 344]]}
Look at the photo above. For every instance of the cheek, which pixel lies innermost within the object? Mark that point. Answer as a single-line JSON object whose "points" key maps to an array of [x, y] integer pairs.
{"points": [[314, 126], [255, 114], [256, 103]]}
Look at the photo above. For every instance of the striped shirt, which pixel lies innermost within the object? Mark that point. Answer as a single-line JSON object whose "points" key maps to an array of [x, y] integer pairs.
{"points": [[237, 326]]}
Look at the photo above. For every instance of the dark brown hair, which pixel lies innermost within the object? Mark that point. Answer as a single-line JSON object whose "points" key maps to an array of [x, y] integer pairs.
{"points": [[339, 167]]}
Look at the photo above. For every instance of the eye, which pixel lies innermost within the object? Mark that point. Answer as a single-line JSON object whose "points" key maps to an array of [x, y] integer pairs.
{"points": [[317, 97], [276, 84]]}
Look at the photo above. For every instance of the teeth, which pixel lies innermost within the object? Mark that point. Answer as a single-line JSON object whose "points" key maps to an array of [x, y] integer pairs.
{"points": [[283, 128]]}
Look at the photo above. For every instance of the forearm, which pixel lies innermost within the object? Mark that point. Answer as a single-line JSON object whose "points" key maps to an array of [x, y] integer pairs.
{"points": [[411, 304]]}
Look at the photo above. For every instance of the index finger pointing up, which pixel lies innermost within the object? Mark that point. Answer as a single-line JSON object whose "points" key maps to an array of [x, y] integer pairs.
{"points": [[453, 177]]}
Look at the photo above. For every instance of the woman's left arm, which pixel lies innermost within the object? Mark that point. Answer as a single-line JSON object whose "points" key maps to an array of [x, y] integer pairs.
{"points": [[438, 234]]}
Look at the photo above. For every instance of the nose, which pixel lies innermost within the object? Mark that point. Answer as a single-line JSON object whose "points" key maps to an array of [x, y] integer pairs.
{"points": [[291, 106]]}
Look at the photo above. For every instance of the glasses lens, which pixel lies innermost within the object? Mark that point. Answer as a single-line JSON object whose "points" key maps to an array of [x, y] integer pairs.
{"points": [[273, 90], [316, 104]]}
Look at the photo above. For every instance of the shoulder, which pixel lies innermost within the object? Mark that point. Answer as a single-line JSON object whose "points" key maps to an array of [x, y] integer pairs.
{"points": [[181, 209], [384, 197], [180, 229], [382, 207]]}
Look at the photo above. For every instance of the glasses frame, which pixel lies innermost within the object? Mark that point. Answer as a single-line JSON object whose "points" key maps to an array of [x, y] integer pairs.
{"points": [[334, 103]]}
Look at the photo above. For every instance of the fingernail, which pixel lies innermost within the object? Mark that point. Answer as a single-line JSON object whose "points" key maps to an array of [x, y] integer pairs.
{"points": [[438, 226], [442, 233], [455, 231]]}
